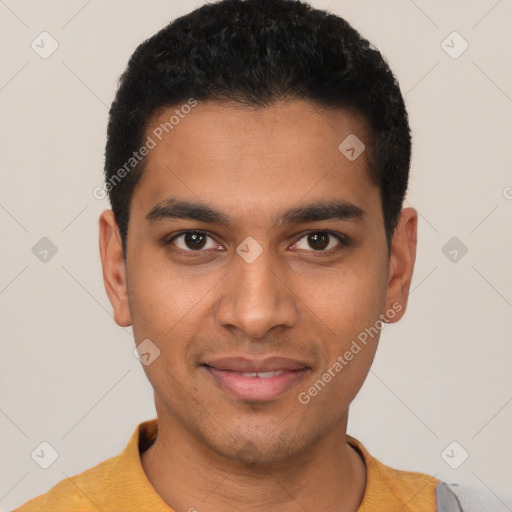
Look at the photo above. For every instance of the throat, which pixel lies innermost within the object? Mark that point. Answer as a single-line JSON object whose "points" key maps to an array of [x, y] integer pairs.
{"points": [[180, 488]]}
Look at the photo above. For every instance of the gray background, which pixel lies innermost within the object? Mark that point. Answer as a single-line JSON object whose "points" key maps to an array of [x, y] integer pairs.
{"points": [[67, 372]]}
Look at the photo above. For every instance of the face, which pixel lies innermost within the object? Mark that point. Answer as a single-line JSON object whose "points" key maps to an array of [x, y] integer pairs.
{"points": [[255, 245]]}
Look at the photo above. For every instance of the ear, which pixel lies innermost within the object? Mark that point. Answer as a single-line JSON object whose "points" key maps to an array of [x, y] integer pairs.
{"points": [[401, 262], [114, 270]]}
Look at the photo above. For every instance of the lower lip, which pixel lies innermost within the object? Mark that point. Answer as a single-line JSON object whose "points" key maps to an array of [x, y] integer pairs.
{"points": [[256, 388]]}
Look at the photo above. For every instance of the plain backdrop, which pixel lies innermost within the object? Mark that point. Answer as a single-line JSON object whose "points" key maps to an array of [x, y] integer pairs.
{"points": [[68, 375]]}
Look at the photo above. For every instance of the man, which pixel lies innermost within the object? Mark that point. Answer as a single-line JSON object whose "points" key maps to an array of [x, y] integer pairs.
{"points": [[257, 160]]}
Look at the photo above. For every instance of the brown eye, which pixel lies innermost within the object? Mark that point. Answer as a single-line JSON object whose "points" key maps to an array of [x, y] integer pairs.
{"points": [[193, 241], [320, 241]]}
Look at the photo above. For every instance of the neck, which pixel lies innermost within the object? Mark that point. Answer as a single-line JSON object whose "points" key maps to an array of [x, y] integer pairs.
{"points": [[189, 475]]}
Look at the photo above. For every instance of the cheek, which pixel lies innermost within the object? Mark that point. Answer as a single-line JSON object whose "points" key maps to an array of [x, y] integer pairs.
{"points": [[165, 299], [346, 310], [167, 307], [347, 299]]}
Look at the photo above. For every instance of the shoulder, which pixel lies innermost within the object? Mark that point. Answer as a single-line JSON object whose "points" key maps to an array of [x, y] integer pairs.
{"points": [[83, 492], [389, 489], [118, 483], [475, 500]]}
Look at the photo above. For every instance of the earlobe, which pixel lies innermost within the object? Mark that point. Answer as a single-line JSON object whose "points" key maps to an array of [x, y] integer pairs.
{"points": [[401, 262], [114, 269]]}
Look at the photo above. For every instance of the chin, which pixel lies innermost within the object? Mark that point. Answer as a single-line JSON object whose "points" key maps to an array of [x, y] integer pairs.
{"points": [[256, 446]]}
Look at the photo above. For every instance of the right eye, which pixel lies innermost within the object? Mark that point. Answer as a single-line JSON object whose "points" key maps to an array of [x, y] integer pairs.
{"points": [[192, 241]]}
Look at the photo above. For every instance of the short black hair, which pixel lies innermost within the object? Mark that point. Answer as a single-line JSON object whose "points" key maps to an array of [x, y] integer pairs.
{"points": [[255, 53]]}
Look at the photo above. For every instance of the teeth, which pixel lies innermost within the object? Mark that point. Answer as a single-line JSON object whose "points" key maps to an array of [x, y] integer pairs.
{"points": [[266, 375], [263, 375]]}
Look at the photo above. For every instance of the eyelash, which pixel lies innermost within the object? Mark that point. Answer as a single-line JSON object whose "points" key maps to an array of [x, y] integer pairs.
{"points": [[343, 241]]}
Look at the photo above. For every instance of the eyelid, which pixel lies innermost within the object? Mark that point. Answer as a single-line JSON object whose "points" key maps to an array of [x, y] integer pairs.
{"points": [[342, 239], [168, 240]]}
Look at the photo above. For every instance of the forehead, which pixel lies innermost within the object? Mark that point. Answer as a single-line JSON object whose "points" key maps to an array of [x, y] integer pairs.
{"points": [[236, 156]]}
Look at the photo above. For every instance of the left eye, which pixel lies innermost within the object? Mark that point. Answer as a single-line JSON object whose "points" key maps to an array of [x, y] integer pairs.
{"points": [[320, 241]]}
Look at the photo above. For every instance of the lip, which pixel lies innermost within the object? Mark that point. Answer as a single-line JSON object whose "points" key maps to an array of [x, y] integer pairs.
{"points": [[246, 365], [256, 388], [227, 373]]}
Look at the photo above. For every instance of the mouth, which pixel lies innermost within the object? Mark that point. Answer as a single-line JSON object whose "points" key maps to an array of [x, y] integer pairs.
{"points": [[256, 382]]}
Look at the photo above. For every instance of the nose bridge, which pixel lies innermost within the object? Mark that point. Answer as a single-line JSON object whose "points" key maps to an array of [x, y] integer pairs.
{"points": [[256, 299]]}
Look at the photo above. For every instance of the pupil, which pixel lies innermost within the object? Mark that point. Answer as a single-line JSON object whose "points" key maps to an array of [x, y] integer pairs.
{"points": [[195, 240], [318, 240]]}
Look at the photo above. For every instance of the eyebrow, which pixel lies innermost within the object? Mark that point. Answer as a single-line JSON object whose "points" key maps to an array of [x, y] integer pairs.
{"points": [[175, 208]]}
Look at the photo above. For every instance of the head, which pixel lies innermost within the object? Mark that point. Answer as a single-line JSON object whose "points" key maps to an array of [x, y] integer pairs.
{"points": [[257, 160]]}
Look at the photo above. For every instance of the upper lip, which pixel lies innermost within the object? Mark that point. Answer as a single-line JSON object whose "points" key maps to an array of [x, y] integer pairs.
{"points": [[245, 365]]}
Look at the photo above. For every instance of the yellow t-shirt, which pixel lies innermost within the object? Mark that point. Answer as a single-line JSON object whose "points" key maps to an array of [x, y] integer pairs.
{"points": [[119, 484]]}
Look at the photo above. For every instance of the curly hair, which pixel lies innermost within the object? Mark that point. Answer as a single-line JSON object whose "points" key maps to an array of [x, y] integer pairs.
{"points": [[258, 52]]}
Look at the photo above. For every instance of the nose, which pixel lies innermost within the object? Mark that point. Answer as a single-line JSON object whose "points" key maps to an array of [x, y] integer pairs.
{"points": [[256, 297]]}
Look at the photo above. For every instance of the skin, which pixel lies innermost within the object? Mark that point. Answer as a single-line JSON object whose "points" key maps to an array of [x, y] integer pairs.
{"points": [[215, 451]]}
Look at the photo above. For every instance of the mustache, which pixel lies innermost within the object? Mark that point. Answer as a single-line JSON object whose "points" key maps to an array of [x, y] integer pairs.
{"points": [[275, 346]]}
